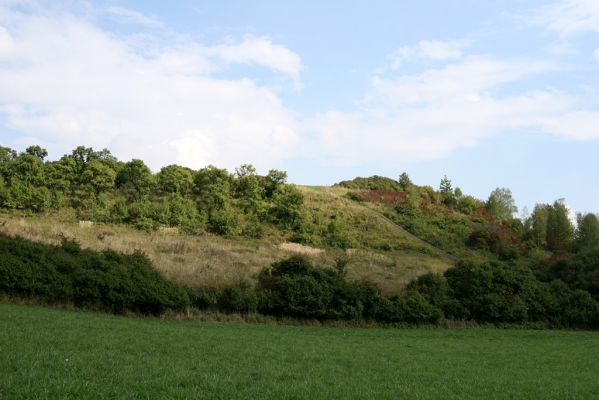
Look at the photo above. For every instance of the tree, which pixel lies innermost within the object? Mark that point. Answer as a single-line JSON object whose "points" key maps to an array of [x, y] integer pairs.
{"points": [[445, 186], [404, 181], [135, 176], [446, 191], [27, 169], [538, 224], [175, 179], [273, 180], [287, 206], [559, 228], [501, 204], [587, 232], [37, 151], [98, 177], [248, 188], [7, 156], [213, 186]]}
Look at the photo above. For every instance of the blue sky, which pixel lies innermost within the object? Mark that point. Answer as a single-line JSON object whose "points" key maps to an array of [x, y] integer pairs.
{"points": [[491, 93]]}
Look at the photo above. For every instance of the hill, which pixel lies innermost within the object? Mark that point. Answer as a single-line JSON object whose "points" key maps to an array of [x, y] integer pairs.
{"points": [[213, 228]]}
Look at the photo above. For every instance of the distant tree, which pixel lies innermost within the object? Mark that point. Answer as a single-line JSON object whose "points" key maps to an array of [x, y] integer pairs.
{"points": [[273, 180], [468, 204], [458, 193], [560, 231], [445, 186], [97, 177], [135, 176], [248, 188], [213, 187], [175, 179], [28, 169], [287, 206], [587, 231], [501, 204], [81, 155], [404, 181], [446, 190], [538, 224], [37, 151], [106, 158], [7, 155]]}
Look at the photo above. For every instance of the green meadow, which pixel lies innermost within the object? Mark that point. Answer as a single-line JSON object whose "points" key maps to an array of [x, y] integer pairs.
{"points": [[50, 353]]}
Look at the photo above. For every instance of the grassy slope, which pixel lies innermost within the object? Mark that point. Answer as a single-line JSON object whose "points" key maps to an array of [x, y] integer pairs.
{"points": [[49, 353], [214, 260]]}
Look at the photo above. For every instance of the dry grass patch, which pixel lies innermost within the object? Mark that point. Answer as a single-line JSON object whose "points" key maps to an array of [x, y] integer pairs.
{"points": [[211, 260]]}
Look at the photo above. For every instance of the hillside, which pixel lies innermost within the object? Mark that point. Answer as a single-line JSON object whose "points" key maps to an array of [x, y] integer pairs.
{"points": [[213, 228], [384, 253]]}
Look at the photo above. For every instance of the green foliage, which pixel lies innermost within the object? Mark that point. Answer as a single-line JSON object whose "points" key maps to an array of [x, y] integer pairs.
{"points": [[506, 293], [175, 179], [274, 180], [404, 181], [224, 221], [37, 151], [67, 273], [560, 232], [587, 231], [213, 187], [135, 178], [97, 177], [287, 206], [374, 182], [580, 271], [469, 205], [501, 204], [294, 287]]}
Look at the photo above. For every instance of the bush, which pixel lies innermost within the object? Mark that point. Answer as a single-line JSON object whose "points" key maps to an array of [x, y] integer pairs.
{"points": [[295, 288], [106, 280]]}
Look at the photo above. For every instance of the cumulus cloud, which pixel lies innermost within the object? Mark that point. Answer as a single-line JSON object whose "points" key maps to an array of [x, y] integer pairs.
{"points": [[64, 81], [569, 17]]}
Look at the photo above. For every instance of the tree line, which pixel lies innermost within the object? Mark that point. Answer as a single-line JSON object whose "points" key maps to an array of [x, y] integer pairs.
{"points": [[99, 187]]}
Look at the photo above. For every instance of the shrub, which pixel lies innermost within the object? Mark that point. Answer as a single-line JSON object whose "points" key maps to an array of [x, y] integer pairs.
{"points": [[107, 280]]}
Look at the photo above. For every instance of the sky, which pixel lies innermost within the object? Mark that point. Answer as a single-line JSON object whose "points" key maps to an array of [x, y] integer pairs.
{"points": [[490, 93]]}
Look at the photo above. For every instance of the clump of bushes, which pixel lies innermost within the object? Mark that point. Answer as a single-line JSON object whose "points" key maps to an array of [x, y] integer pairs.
{"points": [[505, 293], [105, 280], [295, 288]]}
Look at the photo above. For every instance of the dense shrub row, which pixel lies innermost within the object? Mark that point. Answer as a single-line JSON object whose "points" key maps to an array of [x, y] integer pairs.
{"points": [[506, 293], [487, 293], [492, 292], [295, 288], [106, 280]]}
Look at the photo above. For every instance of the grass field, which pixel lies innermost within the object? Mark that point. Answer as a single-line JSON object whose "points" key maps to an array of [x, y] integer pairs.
{"points": [[48, 354]]}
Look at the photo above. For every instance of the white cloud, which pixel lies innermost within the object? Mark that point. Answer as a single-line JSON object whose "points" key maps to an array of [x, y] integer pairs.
{"points": [[66, 82], [575, 124], [262, 51], [436, 50], [127, 16], [569, 17], [428, 115], [596, 54]]}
